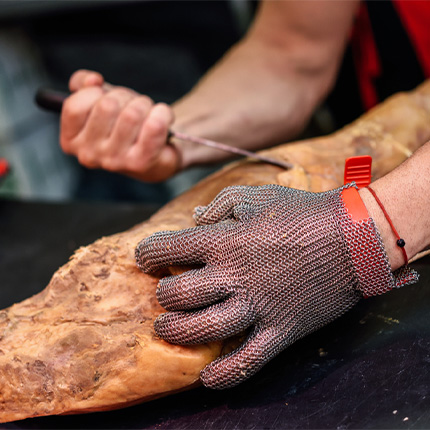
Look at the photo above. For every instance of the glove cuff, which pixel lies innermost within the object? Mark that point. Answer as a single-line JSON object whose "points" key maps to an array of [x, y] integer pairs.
{"points": [[367, 249]]}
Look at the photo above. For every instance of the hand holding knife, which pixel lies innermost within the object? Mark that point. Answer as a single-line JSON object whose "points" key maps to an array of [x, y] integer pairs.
{"points": [[53, 100]]}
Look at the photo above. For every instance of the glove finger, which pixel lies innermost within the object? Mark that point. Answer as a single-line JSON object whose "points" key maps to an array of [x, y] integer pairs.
{"points": [[232, 369], [222, 207], [183, 247], [216, 322], [190, 290]]}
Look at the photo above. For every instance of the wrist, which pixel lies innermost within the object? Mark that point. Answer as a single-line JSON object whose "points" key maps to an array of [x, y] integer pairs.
{"points": [[191, 153], [189, 122], [389, 239], [207, 123], [365, 242]]}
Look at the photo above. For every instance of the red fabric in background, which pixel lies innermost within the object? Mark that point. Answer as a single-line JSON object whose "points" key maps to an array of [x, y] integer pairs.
{"points": [[366, 57], [415, 16]]}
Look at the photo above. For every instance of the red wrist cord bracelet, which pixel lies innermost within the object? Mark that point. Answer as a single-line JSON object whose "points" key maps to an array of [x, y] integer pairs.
{"points": [[400, 242]]}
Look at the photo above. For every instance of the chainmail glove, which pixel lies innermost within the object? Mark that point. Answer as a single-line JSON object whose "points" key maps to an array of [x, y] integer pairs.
{"points": [[274, 260]]}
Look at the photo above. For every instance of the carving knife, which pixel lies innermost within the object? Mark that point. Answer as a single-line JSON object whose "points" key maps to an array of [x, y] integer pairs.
{"points": [[52, 100]]}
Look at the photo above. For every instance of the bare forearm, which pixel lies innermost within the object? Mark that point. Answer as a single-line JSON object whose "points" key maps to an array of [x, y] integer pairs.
{"points": [[239, 104], [261, 93], [405, 194], [265, 89]]}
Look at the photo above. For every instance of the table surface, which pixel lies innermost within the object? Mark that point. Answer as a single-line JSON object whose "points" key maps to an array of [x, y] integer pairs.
{"points": [[368, 369]]}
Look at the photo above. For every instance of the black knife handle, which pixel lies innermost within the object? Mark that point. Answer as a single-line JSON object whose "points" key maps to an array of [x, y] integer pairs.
{"points": [[50, 99]]}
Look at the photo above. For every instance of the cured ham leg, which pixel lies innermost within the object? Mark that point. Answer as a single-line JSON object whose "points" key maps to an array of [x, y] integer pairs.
{"points": [[86, 342]]}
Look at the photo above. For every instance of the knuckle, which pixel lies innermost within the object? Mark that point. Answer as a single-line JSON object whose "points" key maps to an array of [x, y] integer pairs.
{"points": [[120, 92], [132, 115], [156, 126], [143, 162], [111, 164], [107, 106], [144, 101], [71, 109], [87, 159], [136, 165]]}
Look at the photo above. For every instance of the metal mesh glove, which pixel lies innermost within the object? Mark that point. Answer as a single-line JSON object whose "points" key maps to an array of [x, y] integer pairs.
{"points": [[276, 260]]}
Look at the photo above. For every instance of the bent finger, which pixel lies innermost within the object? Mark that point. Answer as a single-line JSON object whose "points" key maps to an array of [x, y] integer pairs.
{"points": [[152, 138], [232, 369], [76, 110], [130, 121], [104, 115], [216, 322], [191, 290], [183, 247]]}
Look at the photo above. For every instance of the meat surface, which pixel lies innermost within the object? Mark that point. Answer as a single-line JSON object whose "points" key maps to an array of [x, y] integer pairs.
{"points": [[86, 342]]}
